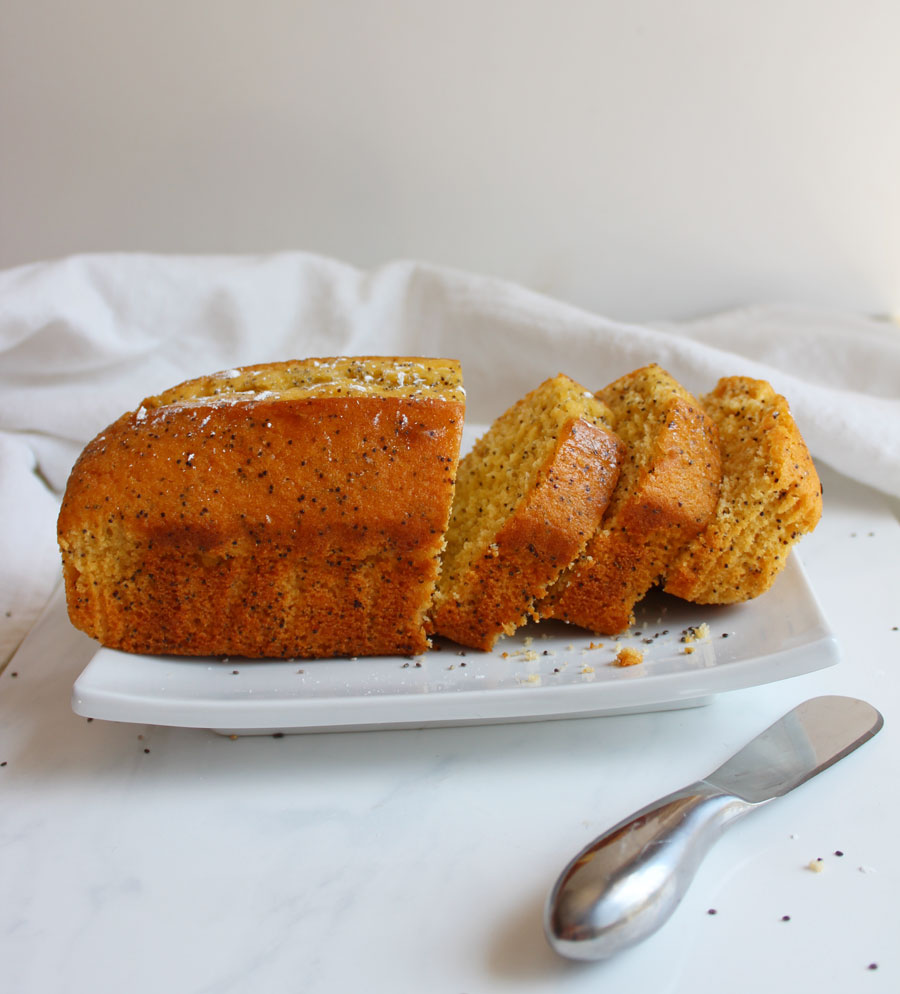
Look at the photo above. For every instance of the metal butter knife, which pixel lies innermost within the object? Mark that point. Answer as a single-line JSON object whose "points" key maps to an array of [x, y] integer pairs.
{"points": [[625, 884]]}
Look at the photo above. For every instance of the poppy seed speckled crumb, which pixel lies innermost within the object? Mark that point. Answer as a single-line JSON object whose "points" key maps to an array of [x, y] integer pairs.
{"points": [[528, 497], [771, 495], [667, 492]]}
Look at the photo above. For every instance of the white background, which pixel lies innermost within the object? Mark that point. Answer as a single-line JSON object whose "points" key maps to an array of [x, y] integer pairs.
{"points": [[643, 159]]}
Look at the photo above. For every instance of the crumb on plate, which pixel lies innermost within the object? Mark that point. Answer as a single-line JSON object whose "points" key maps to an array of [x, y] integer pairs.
{"points": [[628, 656]]}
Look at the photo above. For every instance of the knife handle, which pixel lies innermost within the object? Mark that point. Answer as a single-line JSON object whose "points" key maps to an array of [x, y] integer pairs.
{"points": [[625, 884]]}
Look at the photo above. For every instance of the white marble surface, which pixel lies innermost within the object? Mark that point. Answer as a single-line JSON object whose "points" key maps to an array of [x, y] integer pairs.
{"points": [[147, 859]]}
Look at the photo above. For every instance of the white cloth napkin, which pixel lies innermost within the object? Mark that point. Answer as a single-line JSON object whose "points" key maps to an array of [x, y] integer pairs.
{"points": [[85, 338]]}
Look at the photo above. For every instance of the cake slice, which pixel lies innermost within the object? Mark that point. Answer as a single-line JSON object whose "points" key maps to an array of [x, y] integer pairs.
{"points": [[667, 492], [528, 497], [288, 509], [771, 495]]}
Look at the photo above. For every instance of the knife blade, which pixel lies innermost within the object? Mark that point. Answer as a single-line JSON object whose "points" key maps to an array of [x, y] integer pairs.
{"points": [[625, 884]]}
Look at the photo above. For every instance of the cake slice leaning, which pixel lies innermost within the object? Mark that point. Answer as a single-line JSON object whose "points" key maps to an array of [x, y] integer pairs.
{"points": [[287, 509], [528, 497], [666, 494], [771, 496]]}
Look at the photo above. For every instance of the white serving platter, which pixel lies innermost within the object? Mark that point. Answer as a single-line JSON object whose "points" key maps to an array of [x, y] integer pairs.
{"points": [[549, 670]]}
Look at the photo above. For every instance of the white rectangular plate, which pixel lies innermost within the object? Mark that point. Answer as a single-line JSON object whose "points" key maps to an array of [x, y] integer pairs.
{"points": [[549, 670]]}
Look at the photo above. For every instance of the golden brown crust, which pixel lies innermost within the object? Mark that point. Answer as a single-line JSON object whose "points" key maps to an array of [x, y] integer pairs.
{"points": [[771, 495], [664, 497], [262, 526], [537, 541]]}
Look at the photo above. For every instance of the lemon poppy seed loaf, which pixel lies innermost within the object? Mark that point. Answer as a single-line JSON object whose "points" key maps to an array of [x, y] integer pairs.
{"points": [[528, 497], [771, 495], [289, 509], [667, 492]]}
